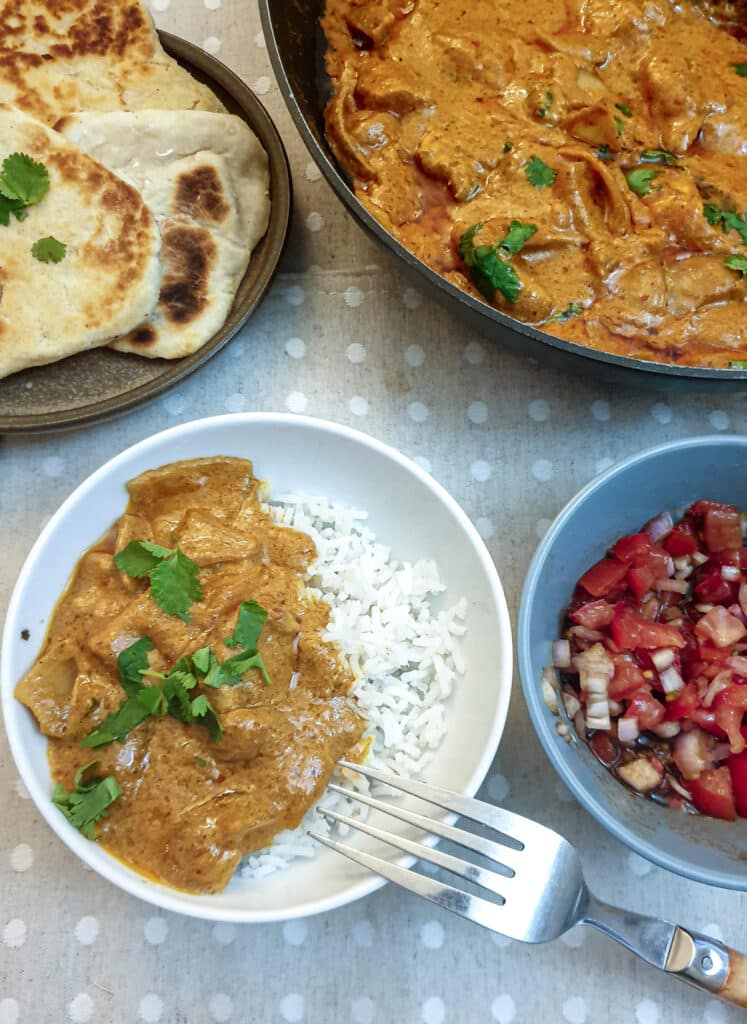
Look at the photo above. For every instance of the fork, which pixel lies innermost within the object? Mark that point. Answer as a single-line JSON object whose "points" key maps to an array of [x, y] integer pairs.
{"points": [[537, 890]]}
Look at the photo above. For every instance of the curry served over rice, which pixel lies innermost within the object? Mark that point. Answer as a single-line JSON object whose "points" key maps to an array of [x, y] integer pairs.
{"points": [[192, 706], [581, 164]]}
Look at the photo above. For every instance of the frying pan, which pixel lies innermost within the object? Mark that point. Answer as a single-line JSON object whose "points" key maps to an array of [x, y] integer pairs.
{"points": [[296, 46]]}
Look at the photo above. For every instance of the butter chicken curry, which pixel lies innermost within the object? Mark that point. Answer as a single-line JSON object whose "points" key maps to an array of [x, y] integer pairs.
{"points": [[193, 709], [581, 164]]}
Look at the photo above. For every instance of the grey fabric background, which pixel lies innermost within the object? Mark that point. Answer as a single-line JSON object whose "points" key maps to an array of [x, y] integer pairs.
{"points": [[341, 336]]}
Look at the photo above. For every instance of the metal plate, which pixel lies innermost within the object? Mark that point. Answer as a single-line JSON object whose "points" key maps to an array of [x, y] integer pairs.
{"points": [[101, 383]]}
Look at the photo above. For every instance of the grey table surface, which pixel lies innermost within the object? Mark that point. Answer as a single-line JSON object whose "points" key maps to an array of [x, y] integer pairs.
{"points": [[341, 336]]}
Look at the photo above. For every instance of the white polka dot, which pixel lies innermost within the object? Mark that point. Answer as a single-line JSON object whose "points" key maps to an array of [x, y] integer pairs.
{"points": [[363, 934], [411, 298], [433, 1011], [420, 460], [315, 221], [356, 352], [294, 932], [541, 527], [714, 1013], [539, 410], [715, 931], [224, 933], [604, 463], [21, 790], [477, 412], [53, 466], [503, 1009], [417, 411], [542, 470], [212, 45], [358, 405], [575, 938], [719, 420], [296, 348], [563, 793], [414, 355], [296, 402], [160, 5], [221, 1007], [498, 787], [22, 857], [291, 1007], [432, 935], [213, 5], [574, 1010], [474, 353], [363, 1010], [80, 1008], [485, 527], [647, 1012], [259, 41], [14, 933], [174, 404], [480, 470], [661, 412], [235, 402], [312, 171], [638, 865], [156, 929], [502, 941], [353, 297], [600, 410], [87, 930], [9, 1011], [295, 295], [150, 1008], [262, 85]]}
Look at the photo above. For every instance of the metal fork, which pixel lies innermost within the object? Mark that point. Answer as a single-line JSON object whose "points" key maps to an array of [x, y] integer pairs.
{"points": [[537, 891]]}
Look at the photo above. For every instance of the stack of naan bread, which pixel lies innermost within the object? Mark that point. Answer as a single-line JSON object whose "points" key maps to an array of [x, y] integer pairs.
{"points": [[158, 194]]}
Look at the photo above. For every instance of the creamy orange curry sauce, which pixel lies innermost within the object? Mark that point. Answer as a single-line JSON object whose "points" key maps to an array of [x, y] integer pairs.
{"points": [[191, 807], [616, 129]]}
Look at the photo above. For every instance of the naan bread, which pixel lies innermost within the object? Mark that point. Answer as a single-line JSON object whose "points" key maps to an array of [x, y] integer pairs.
{"points": [[110, 276], [206, 178], [57, 57]]}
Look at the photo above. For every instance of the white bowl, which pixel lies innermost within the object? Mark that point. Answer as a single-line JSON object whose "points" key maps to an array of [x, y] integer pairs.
{"points": [[408, 511]]}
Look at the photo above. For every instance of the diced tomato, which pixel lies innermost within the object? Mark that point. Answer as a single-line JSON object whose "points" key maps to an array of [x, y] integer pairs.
{"points": [[646, 708], [630, 630], [681, 541], [714, 589], [729, 707], [640, 580], [720, 627], [657, 561], [685, 702], [722, 529], [593, 615], [603, 577], [629, 548], [712, 793], [737, 765], [603, 747], [627, 679], [699, 508], [706, 719], [728, 556]]}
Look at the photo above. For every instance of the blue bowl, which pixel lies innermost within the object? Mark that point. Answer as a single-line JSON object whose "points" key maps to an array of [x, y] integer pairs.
{"points": [[619, 501]]}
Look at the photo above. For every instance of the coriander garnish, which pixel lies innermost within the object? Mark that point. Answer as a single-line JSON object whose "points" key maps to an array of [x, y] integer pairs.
{"points": [[659, 156], [624, 109], [738, 364], [174, 578], [741, 69], [538, 173], [544, 107], [738, 263], [48, 250], [488, 271], [88, 801], [571, 310], [640, 180], [728, 219]]}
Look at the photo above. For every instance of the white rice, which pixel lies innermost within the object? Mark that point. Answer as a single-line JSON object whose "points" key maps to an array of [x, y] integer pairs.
{"points": [[405, 656]]}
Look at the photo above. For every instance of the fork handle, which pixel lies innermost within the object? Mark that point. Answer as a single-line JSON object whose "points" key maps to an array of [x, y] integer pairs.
{"points": [[709, 965]]}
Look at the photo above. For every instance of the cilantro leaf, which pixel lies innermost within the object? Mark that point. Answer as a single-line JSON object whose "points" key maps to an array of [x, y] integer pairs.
{"points": [[251, 619], [738, 364], [88, 801], [14, 206], [572, 309], [640, 180], [133, 661], [489, 273], [604, 153], [49, 250], [23, 179], [517, 236], [543, 109], [202, 708], [619, 126], [624, 109], [140, 558], [729, 220], [175, 585], [741, 69], [508, 146], [201, 660], [539, 174], [738, 263], [119, 723], [659, 156]]}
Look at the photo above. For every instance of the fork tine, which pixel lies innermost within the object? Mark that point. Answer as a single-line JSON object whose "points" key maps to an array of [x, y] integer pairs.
{"points": [[456, 865], [474, 908], [515, 830], [504, 856]]}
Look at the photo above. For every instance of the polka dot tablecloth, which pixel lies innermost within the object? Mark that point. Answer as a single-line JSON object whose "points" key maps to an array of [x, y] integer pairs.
{"points": [[341, 336]]}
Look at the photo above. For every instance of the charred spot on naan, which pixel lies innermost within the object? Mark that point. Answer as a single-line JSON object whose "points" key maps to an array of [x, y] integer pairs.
{"points": [[145, 335], [189, 255], [200, 195]]}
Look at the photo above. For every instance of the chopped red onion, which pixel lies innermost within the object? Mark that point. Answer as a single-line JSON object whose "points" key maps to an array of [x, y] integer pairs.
{"points": [[743, 597], [677, 586], [678, 787], [736, 611], [615, 708], [670, 565], [738, 664], [699, 558], [659, 527], [694, 752], [671, 680], [704, 608], [720, 682], [628, 730], [663, 658], [667, 730], [571, 703], [579, 725], [584, 633], [681, 563], [549, 688], [730, 573], [561, 653]]}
